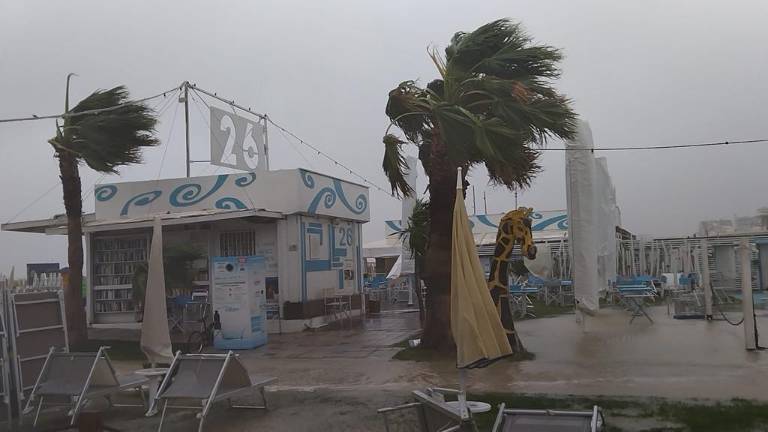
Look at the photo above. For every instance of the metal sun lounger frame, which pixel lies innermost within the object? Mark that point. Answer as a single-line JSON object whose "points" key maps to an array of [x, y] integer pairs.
{"points": [[594, 417], [434, 415], [85, 392], [249, 388], [5, 370]]}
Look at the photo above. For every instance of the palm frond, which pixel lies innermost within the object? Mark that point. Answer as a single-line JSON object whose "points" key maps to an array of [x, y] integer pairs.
{"points": [[493, 104], [416, 229], [408, 108], [108, 140], [395, 166]]}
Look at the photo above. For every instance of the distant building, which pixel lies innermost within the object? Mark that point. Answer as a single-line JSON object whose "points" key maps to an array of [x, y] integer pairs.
{"points": [[737, 225]]}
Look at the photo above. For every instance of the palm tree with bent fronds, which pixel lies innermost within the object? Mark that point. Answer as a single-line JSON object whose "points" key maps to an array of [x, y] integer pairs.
{"points": [[494, 104], [104, 141]]}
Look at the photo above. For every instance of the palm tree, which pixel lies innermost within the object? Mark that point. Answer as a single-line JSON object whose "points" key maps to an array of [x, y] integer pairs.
{"points": [[493, 104], [416, 233], [104, 141]]}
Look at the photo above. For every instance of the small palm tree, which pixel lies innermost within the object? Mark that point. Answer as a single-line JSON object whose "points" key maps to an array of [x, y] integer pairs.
{"points": [[493, 104], [416, 232], [104, 141]]}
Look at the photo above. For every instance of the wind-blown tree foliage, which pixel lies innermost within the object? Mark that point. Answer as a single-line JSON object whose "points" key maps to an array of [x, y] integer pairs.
{"points": [[416, 233], [104, 141], [493, 105]]}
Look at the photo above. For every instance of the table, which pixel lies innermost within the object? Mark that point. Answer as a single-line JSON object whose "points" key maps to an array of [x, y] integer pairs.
{"points": [[633, 296], [154, 375], [475, 407]]}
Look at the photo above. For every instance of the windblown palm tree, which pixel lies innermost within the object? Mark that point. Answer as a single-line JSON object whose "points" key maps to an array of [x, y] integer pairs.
{"points": [[104, 141], [493, 104]]}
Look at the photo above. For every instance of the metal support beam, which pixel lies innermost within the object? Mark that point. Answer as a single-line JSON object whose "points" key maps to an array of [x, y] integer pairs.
{"points": [[186, 123]]}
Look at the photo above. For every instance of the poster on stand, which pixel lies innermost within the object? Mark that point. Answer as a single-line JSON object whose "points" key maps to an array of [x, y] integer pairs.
{"points": [[239, 291]]}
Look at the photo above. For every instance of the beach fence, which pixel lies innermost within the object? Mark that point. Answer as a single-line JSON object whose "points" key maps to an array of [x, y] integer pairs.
{"points": [[32, 320]]}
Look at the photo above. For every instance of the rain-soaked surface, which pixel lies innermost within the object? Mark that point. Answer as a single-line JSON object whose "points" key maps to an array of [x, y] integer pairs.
{"points": [[334, 379]]}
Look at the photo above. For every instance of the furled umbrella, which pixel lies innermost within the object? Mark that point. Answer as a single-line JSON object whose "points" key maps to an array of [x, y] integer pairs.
{"points": [[155, 336], [477, 331]]}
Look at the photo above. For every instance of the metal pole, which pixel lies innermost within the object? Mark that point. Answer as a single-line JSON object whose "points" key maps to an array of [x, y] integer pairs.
{"points": [[485, 203], [186, 122], [516, 199], [266, 144], [745, 256]]}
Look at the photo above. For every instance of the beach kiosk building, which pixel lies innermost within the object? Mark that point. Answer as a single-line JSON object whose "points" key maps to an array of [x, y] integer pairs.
{"points": [[306, 225]]}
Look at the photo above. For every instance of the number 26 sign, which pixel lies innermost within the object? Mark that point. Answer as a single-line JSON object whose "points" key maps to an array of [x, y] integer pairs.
{"points": [[237, 142]]}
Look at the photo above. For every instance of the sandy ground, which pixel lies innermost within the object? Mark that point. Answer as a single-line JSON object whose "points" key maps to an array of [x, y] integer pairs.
{"points": [[334, 380]]}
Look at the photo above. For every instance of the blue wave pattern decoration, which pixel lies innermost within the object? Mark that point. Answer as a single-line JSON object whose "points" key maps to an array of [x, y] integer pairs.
{"points": [[485, 221], [307, 179], [394, 225], [182, 196], [245, 180], [192, 193], [141, 199], [561, 221], [105, 193], [230, 203], [329, 195]]}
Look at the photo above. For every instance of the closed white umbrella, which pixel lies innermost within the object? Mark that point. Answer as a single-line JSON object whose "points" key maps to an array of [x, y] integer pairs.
{"points": [[155, 336]]}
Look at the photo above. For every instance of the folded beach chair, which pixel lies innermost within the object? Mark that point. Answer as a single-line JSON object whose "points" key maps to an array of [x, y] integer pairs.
{"points": [[72, 379], [517, 420], [5, 370], [200, 380], [433, 414]]}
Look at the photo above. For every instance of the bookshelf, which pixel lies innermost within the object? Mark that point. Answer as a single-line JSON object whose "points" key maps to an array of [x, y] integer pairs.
{"points": [[115, 260]]}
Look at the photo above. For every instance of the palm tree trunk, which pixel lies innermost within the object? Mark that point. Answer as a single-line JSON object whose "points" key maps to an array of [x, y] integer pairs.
{"points": [[437, 261], [72, 189], [437, 327]]}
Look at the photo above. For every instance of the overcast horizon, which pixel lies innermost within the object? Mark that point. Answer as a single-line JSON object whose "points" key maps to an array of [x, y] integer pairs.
{"points": [[641, 73]]}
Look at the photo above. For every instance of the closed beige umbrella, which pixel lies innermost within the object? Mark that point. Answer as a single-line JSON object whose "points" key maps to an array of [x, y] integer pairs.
{"points": [[155, 336], [477, 331]]}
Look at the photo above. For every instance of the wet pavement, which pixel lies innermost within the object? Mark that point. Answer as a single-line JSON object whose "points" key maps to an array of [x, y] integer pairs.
{"points": [[607, 356], [336, 378]]}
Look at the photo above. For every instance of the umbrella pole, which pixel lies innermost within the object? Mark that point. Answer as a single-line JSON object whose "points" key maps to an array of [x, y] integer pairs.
{"points": [[463, 394]]}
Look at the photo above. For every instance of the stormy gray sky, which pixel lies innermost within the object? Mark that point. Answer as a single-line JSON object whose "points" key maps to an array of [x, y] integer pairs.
{"points": [[641, 72]]}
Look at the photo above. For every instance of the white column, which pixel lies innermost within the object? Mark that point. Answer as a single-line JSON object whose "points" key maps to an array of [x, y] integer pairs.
{"points": [[763, 254], [745, 258], [706, 283]]}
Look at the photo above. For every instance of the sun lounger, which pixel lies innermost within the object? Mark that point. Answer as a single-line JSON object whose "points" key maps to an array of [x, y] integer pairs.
{"points": [[5, 370], [72, 379], [433, 413], [516, 420], [200, 380]]}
